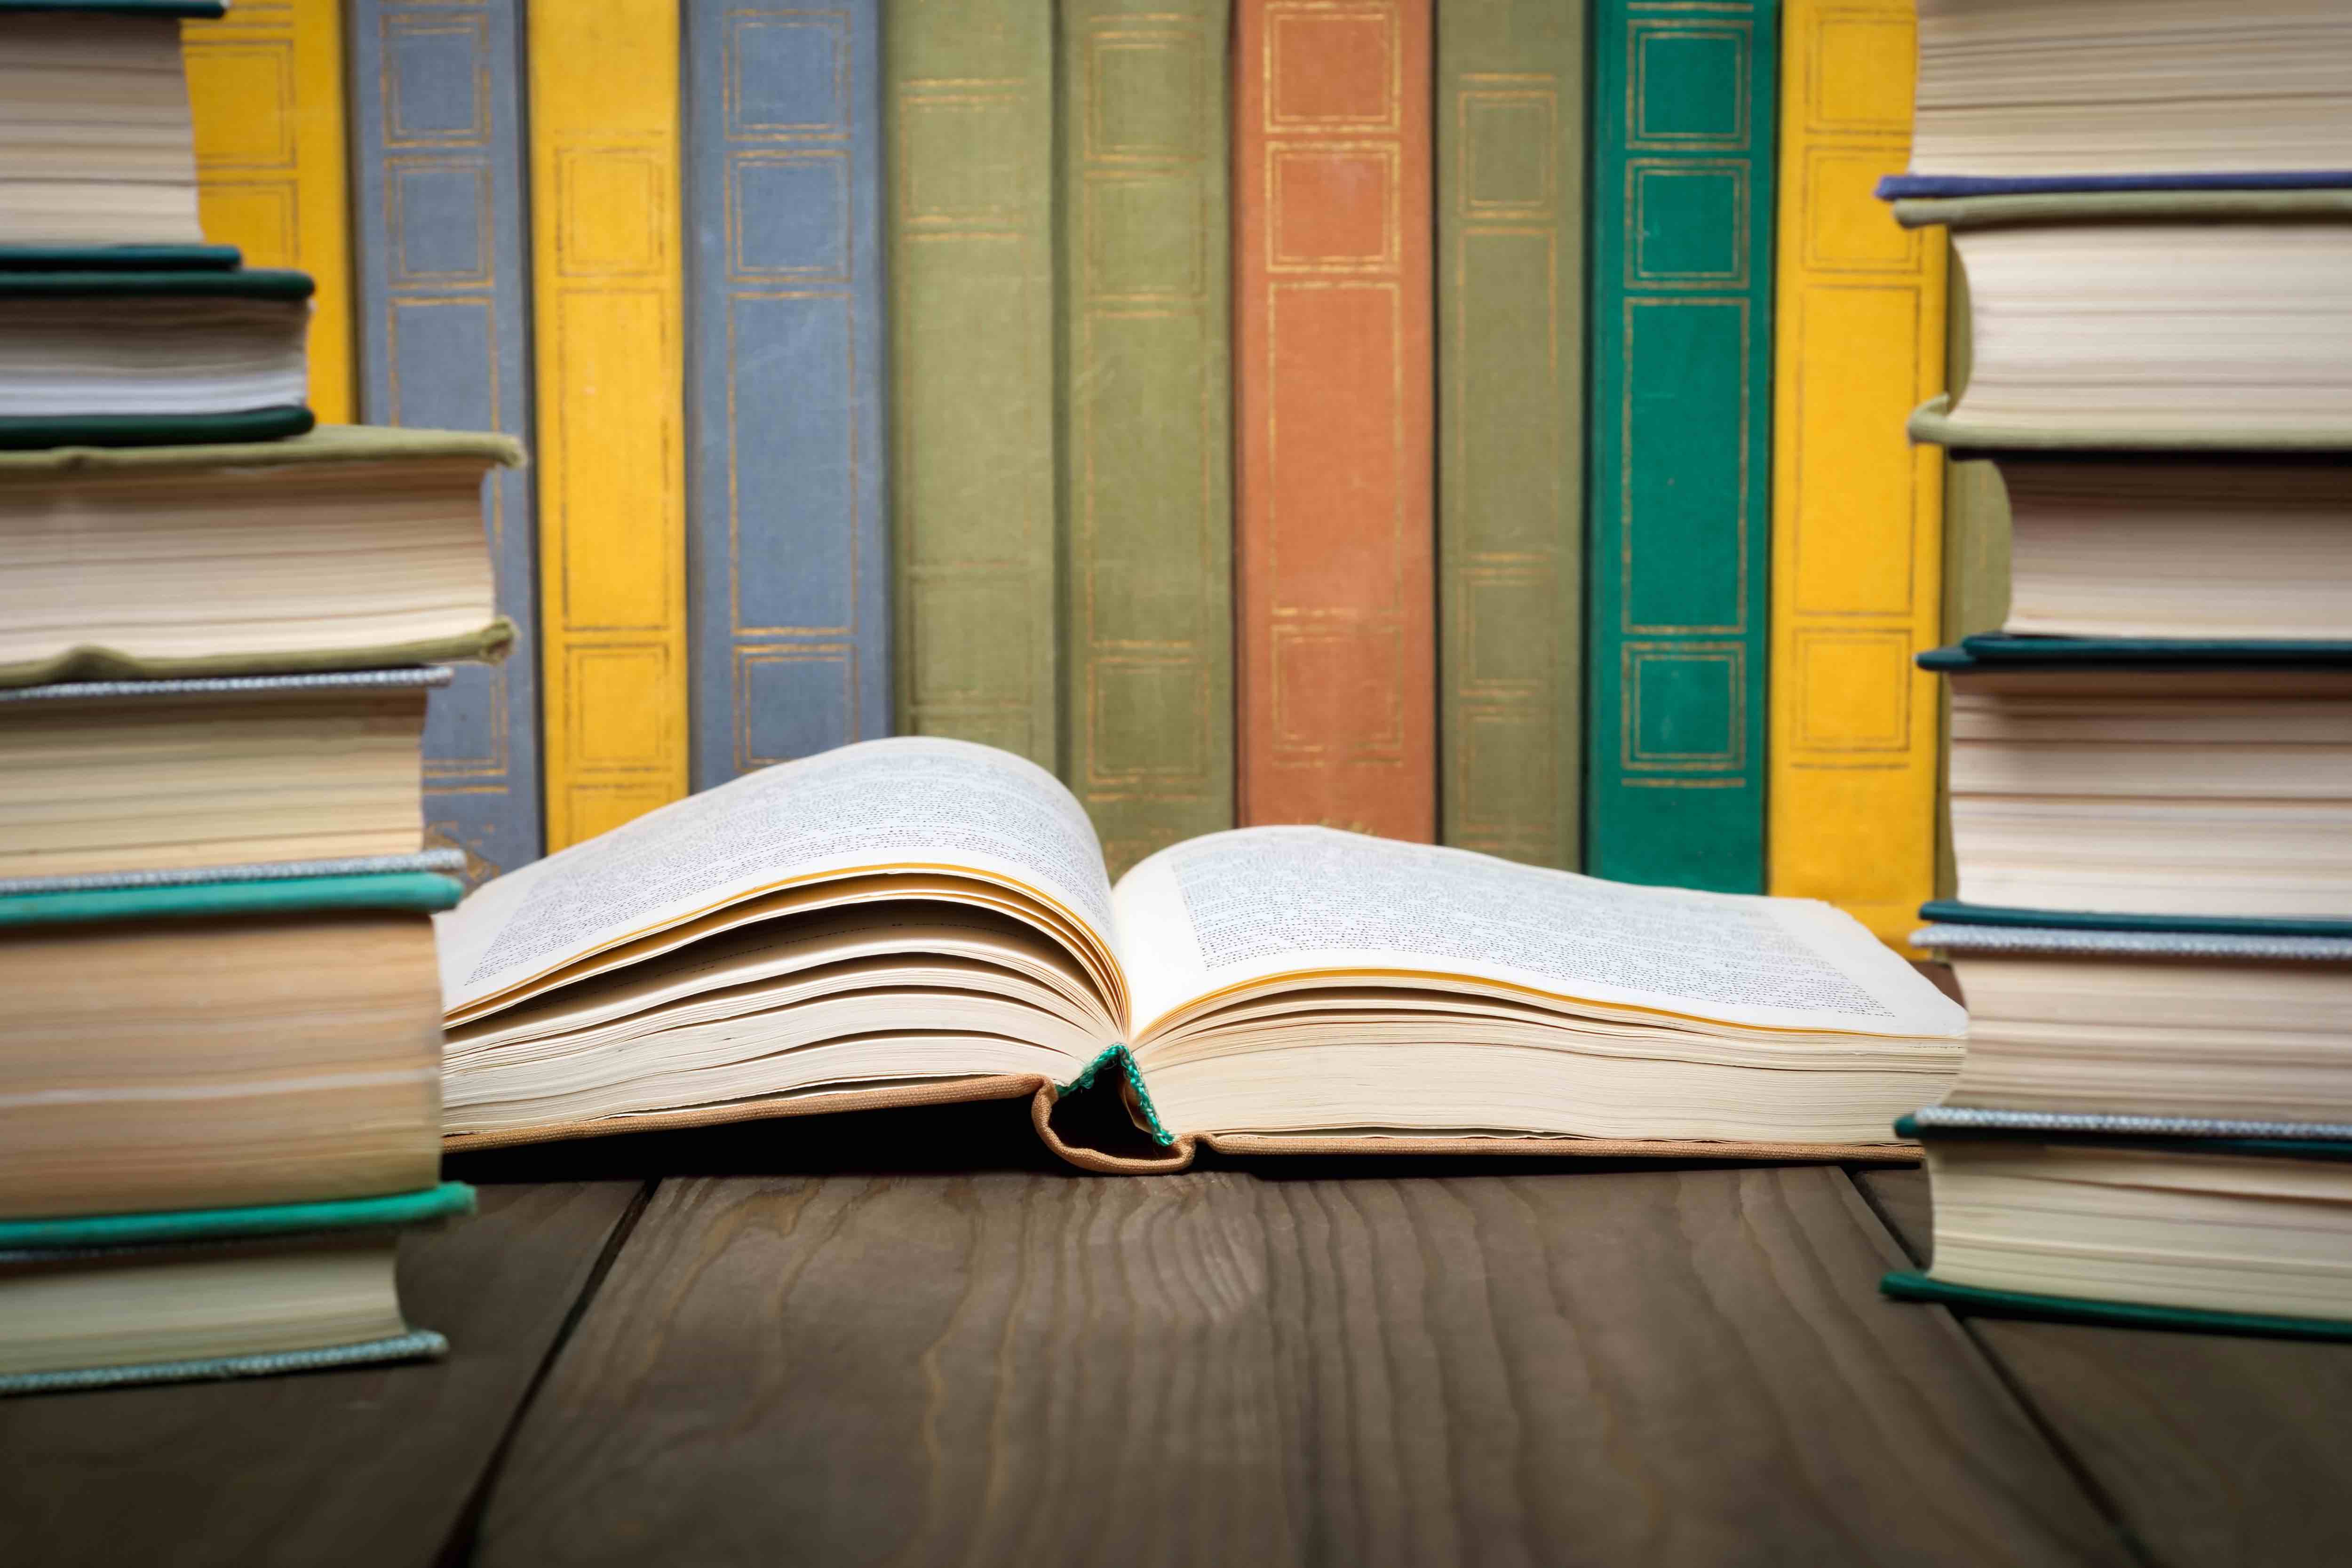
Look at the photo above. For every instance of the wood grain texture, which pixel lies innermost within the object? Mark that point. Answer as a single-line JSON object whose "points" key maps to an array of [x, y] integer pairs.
{"points": [[365, 1467], [1681, 1366], [2213, 1450], [1334, 539]]}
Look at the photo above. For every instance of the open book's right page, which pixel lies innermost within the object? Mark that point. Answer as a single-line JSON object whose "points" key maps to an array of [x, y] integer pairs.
{"points": [[1219, 913]]}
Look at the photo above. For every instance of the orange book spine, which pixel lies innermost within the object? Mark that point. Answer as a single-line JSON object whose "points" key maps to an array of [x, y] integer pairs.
{"points": [[1335, 532]]}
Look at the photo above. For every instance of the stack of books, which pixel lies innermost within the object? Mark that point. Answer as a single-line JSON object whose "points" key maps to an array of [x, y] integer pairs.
{"points": [[220, 1061], [2151, 760]]}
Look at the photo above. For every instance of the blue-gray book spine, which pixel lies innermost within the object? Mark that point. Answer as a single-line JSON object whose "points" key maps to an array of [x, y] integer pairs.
{"points": [[444, 323], [788, 578]]}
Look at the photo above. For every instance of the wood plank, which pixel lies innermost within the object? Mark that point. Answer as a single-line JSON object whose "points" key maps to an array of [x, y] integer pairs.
{"points": [[1900, 1198], [372, 1466], [2214, 1451], [1662, 1366]]}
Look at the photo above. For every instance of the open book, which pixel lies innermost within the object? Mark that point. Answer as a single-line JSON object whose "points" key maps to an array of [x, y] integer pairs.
{"points": [[915, 921]]}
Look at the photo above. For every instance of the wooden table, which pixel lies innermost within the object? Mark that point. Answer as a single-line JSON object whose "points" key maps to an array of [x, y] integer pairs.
{"points": [[917, 1341]]}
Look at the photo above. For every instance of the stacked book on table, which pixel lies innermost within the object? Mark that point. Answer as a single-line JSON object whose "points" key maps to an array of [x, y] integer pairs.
{"points": [[2152, 762], [220, 1057]]}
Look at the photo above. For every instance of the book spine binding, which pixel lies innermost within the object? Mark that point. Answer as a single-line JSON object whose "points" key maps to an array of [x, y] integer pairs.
{"points": [[445, 344], [1682, 266], [788, 597], [1975, 561], [972, 480], [266, 87], [1335, 534], [1148, 471], [603, 87], [1857, 512], [1511, 107]]}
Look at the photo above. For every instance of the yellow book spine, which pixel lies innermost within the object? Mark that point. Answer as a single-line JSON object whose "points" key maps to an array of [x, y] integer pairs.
{"points": [[265, 85], [611, 409], [1857, 514]]}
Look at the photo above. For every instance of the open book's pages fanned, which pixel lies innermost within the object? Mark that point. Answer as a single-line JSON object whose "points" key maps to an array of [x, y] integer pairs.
{"points": [[174, 775], [2219, 1233], [2170, 91], [173, 1294], [350, 548], [928, 919], [219, 1044]]}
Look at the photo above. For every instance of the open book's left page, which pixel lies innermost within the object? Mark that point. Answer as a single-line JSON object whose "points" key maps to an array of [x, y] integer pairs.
{"points": [[909, 807]]}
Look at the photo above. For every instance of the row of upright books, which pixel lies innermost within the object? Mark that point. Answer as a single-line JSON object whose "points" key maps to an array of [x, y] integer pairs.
{"points": [[1477, 422], [2152, 749], [220, 624]]}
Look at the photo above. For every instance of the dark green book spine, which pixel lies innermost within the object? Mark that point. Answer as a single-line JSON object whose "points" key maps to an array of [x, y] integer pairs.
{"points": [[1146, 421], [970, 166], [1511, 107], [1680, 434]]}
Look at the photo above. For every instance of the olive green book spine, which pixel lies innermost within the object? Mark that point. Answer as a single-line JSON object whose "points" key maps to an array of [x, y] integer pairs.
{"points": [[969, 113], [1511, 106], [1976, 565], [1146, 449]]}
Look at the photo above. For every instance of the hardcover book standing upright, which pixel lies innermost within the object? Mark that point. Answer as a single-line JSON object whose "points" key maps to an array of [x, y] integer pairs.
{"points": [[1857, 512], [1681, 447], [1511, 106], [444, 343], [788, 575], [1337, 643], [611, 410], [1148, 639], [266, 85], [971, 92]]}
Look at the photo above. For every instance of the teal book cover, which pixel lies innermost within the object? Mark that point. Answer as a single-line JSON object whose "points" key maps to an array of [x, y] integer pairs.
{"points": [[1680, 437], [420, 892], [1905, 1285], [38, 1249], [2008, 651]]}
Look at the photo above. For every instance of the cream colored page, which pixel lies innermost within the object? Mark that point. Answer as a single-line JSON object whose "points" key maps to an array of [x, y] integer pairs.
{"points": [[877, 806], [1231, 907]]}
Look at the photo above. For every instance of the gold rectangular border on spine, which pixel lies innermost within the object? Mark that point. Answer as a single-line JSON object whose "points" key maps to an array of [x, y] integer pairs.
{"points": [[1335, 535], [1511, 104], [265, 85], [970, 104], [1857, 514], [611, 415], [1146, 420]]}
